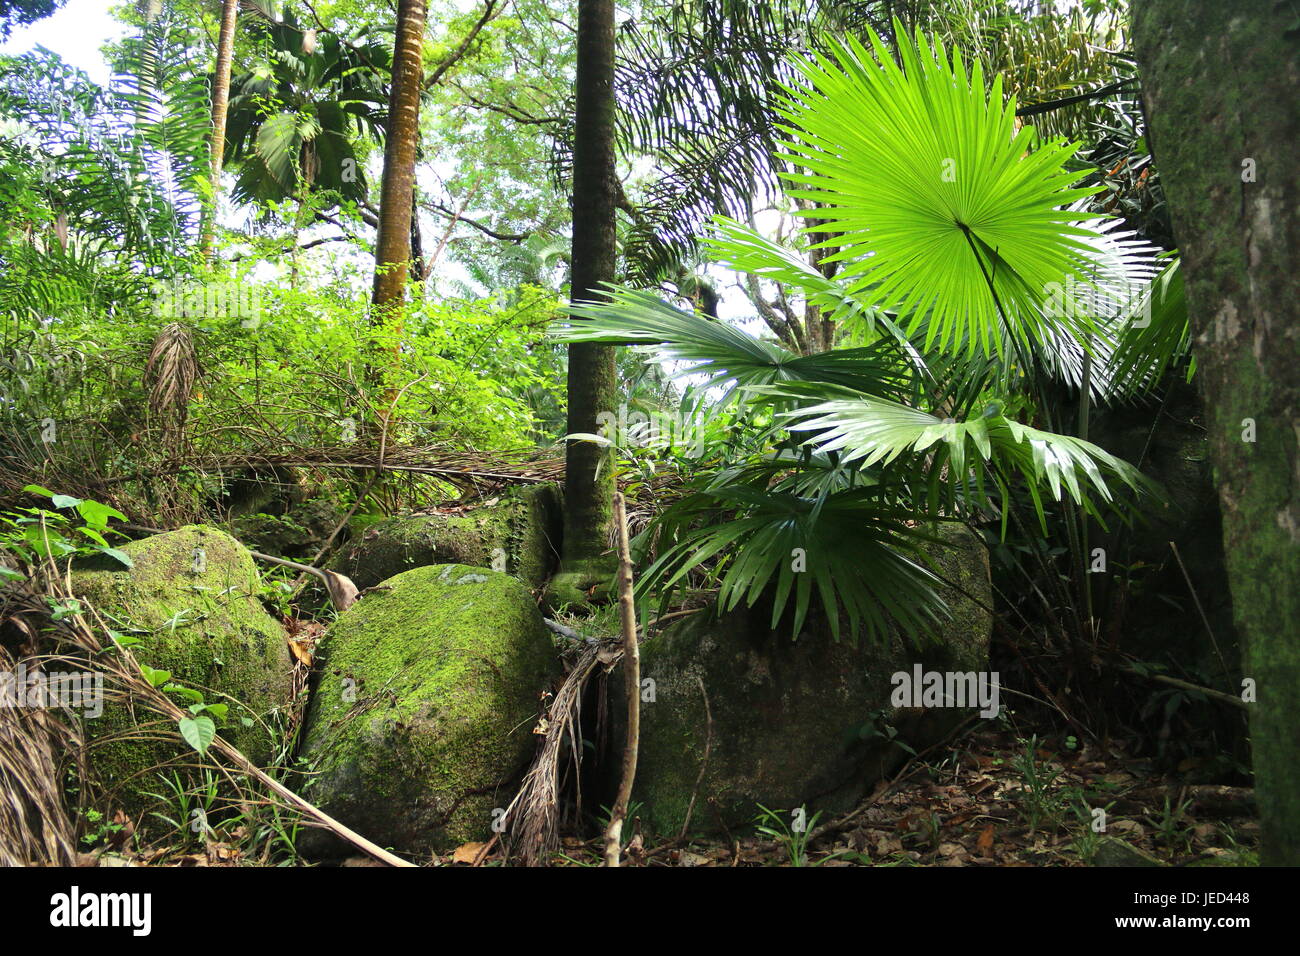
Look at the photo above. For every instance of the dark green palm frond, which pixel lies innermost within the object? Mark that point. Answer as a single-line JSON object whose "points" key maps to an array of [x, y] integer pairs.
{"points": [[850, 551], [170, 104], [878, 432], [689, 186], [295, 118], [696, 83], [99, 170], [720, 352], [1156, 337]]}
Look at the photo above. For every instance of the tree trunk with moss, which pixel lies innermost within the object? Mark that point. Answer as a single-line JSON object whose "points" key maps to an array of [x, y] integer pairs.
{"points": [[587, 562], [1220, 84]]}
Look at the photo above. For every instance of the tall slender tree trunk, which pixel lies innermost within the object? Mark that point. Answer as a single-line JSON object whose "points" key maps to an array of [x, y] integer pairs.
{"points": [[592, 389], [220, 99], [1220, 84], [393, 241]]}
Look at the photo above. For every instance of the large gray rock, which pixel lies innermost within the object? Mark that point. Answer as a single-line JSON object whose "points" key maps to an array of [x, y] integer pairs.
{"points": [[423, 718], [806, 723], [522, 528]]}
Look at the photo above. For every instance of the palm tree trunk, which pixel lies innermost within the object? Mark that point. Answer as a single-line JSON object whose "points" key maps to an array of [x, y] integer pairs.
{"points": [[220, 97], [592, 387], [393, 242], [1224, 145]]}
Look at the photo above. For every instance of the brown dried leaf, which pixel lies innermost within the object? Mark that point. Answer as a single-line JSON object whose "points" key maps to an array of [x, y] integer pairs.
{"points": [[467, 852]]}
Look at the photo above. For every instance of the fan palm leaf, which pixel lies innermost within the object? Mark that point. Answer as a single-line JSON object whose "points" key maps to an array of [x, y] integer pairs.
{"points": [[850, 550], [1156, 336], [875, 431], [936, 200], [721, 353]]}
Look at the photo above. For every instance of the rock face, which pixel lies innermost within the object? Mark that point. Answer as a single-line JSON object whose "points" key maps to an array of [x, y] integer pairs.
{"points": [[794, 723], [1176, 454], [191, 594], [295, 533], [424, 713], [520, 535]]}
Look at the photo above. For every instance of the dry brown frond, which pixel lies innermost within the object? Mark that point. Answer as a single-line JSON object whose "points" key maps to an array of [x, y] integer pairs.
{"points": [[533, 817], [170, 375], [35, 826]]}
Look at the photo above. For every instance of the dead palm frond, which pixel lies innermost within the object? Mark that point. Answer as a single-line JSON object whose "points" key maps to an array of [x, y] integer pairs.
{"points": [[532, 819], [170, 374], [35, 826]]}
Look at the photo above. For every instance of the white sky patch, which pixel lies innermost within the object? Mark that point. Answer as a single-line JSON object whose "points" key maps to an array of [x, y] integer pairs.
{"points": [[76, 33]]}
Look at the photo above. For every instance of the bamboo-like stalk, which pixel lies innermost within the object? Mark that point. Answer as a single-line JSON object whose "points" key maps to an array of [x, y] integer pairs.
{"points": [[632, 681]]}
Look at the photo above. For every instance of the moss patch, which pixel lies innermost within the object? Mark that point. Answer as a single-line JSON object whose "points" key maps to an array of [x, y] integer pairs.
{"points": [[424, 712], [200, 620], [522, 529]]}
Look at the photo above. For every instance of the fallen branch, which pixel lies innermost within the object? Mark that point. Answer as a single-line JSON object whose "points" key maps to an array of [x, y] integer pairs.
{"points": [[343, 593], [1229, 699]]}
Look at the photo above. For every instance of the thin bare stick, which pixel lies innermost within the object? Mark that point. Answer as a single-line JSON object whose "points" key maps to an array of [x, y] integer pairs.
{"points": [[1200, 610], [1221, 697], [356, 839], [632, 681], [342, 592]]}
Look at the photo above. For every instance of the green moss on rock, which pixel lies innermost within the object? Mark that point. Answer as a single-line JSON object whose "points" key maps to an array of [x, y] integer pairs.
{"points": [[522, 528], [794, 723], [583, 582], [424, 712], [207, 628]]}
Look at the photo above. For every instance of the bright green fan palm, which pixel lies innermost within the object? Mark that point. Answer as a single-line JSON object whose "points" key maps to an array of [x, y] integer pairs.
{"points": [[935, 201], [952, 279]]}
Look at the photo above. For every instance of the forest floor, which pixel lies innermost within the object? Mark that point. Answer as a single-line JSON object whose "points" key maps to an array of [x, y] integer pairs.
{"points": [[998, 800], [994, 799]]}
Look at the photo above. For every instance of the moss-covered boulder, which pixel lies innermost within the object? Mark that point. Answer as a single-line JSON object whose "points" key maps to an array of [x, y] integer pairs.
{"points": [[296, 533], [518, 534], [423, 717], [806, 723], [190, 598]]}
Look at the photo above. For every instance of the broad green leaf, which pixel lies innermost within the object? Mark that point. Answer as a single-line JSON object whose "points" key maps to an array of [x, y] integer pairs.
{"points": [[189, 693], [155, 677], [118, 555], [198, 732]]}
